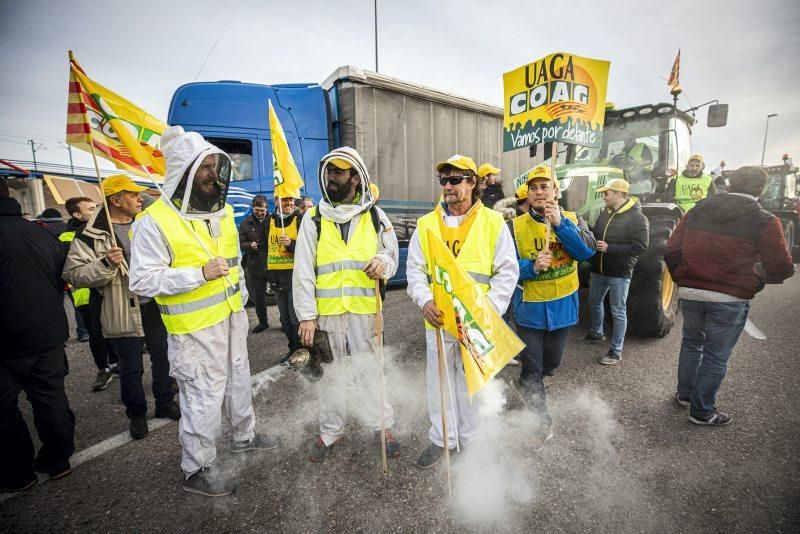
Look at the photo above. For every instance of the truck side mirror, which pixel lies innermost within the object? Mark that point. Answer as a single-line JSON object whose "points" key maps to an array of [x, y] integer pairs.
{"points": [[717, 115]]}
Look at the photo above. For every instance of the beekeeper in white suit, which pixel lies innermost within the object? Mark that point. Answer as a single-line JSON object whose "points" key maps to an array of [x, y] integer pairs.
{"points": [[185, 254], [343, 246]]}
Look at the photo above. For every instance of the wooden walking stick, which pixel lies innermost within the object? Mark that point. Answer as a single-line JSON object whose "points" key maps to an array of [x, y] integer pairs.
{"points": [[379, 335], [440, 350]]}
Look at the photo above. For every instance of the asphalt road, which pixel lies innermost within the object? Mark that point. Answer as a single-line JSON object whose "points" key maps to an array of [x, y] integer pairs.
{"points": [[624, 458]]}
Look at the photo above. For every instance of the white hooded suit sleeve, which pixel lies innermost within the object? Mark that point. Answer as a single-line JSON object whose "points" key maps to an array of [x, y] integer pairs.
{"points": [[304, 276], [417, 273], [505, 271]]}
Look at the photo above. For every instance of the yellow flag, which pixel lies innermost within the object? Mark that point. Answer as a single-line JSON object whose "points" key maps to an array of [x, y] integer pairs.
{"points": [[287, 178], [487, 343], [117, 129]]}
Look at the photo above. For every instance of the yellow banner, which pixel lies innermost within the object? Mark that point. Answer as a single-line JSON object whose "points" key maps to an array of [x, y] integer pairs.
{"points": [[560, 97], [287, 178], [117, 129], [487, 343]]}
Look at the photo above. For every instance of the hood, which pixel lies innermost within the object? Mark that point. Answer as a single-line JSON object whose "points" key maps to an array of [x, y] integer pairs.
{"points": [[344, 212], [185, 153], [726, 207], [632, 204], [10, 206]]}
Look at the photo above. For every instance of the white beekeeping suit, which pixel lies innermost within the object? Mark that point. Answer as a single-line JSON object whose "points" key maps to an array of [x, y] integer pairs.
{"points": [[207, 331], [350, 334]]}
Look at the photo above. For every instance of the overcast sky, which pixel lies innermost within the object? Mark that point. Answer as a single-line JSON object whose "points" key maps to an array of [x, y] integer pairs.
{"points": [[744, 53]]}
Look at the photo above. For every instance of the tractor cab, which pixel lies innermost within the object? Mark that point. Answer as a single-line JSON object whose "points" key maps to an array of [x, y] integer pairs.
{"points": [[648, 143]]}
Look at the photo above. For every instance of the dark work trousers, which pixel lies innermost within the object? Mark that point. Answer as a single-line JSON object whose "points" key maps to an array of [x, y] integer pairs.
{"points": [[81, 327], [41, 376], [543, 350], [131, 365], [289, 322], [260, 297], [102, 351]]}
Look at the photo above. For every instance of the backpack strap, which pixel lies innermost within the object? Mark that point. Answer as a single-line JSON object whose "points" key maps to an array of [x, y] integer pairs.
{"points": [[377, 224]]}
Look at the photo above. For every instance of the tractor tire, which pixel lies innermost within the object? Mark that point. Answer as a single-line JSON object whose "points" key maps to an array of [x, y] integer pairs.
{"points": [[653, 296]]}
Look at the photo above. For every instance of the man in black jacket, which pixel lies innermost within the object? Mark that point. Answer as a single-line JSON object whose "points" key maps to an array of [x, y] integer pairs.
{"points": [[33, 327], [622, 232], [253, 242]]}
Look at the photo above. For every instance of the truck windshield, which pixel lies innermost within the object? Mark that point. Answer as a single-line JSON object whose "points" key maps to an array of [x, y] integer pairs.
{"points": [[770, 198], [241, 153]]}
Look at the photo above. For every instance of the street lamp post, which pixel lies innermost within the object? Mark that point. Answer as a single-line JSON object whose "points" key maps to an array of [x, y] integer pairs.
{"points": [[766, 131]]}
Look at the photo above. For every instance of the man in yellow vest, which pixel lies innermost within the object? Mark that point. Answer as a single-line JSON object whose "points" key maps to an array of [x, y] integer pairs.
{"points": [[345, 244], [692, 186], [482, 244], [548, 303], [282, 227], [185, 253]]}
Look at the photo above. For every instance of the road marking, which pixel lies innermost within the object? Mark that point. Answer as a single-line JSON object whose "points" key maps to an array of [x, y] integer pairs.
{"points": [[92, 452], [753, 330]]}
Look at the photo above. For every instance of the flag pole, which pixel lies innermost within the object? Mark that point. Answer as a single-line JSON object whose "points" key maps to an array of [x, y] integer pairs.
{"points": [[105, 203], [443, 401], [379, 335], [280, 216]]}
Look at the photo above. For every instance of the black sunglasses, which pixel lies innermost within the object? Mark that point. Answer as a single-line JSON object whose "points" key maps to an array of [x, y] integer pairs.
{"points": [[452, 180]]}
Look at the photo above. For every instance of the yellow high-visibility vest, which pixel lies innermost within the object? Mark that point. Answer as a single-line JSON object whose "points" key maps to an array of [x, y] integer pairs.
{"points": [[80, 295], [561, 279], [690, 191], [278, 258], [214, 301], [342, 285], [476, 252]]}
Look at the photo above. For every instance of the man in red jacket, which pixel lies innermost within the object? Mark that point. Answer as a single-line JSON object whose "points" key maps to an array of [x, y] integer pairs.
{"points": [[717, 283]]}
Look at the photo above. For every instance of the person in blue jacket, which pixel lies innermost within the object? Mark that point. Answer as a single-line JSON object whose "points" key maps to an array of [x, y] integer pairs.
{"points": [[546, 299]]}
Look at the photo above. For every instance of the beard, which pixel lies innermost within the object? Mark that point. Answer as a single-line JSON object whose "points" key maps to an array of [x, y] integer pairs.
{"points": [[336, 192]]}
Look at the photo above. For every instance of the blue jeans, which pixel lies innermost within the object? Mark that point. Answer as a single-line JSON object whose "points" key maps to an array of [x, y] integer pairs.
{"points": [[710, 331], [617, 289]]}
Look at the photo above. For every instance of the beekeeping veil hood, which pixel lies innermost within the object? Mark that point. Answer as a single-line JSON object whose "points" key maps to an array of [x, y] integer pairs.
{"points": [[342, 213], [198, 173]]}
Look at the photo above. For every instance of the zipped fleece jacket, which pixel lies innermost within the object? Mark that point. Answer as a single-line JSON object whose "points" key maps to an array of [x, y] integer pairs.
{"points": [[718, 244], [85, 267], [627, 232]]}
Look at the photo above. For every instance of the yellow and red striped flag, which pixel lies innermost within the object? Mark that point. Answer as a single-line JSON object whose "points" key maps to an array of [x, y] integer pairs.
{"points": [[674, 75], [118, 130], [287, 178]]}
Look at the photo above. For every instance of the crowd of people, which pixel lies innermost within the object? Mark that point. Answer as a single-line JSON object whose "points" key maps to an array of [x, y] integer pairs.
{"points": [[170, 277]]}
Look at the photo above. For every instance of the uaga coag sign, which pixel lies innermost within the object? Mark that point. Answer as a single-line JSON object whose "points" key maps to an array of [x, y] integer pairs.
{"points": [[560, 97]]}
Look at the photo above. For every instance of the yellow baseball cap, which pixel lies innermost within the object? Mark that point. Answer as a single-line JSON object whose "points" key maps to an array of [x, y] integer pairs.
{"points": [[522, 192], [617, 184], [120, 182], [698, 157], [487, 168], [458, 161], [340, 163], [541, 172], [375, 191]]}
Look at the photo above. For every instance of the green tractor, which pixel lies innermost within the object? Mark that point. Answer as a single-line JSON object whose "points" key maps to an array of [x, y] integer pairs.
{"points": [[646, 145]]}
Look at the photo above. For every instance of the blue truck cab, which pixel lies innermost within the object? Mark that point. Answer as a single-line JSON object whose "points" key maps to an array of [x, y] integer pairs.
{"points": [[234, 116]]}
